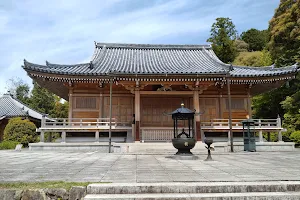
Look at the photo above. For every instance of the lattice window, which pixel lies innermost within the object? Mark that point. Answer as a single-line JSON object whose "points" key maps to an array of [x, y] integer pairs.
{"points": [[86, 103], [236, 104]]}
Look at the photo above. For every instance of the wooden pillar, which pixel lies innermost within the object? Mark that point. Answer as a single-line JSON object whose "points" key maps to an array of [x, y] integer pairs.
{"points": [[101, 105], [197, 117], [220, 105], [249, 104], [229, 112], [137, 110], [110, 114], [70, 105]]}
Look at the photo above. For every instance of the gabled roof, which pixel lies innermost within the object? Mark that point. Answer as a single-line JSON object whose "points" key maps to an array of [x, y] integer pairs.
{"points": [[149, 59], [10, 107]]}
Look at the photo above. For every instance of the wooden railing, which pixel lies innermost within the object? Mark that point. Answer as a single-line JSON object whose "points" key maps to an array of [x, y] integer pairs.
{"points": [[157, 134], [237, 124], [81, 123], [166, 134]]}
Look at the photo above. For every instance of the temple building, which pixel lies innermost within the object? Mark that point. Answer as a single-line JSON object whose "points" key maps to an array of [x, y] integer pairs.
{"points": [[150, 80], [11, 107]]}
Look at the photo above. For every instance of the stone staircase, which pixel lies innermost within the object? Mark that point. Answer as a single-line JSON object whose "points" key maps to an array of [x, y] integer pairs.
{"points": [[281, 190]]}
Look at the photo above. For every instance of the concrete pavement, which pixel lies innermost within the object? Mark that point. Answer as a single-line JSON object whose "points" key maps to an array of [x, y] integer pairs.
{"points": [[29, 166]]}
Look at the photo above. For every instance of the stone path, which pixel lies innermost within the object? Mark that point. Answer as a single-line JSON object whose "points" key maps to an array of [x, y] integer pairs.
{"points": [[28, 166]]}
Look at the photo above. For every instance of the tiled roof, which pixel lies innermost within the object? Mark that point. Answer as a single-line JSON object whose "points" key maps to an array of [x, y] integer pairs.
{"points": [[241, 71], [10, 107], [147, 59]]}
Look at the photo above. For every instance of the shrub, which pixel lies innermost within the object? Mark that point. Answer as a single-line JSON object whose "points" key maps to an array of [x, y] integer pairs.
{"points": [[53, 138], [8, 145], [20, 130], [273, 136], [295, 137]]}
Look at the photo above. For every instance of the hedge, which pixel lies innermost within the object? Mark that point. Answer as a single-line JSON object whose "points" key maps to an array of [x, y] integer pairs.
{"points": [[20, 130]]}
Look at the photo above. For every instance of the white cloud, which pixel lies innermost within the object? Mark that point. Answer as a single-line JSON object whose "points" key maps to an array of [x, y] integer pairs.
{"points": [[64, 31]]}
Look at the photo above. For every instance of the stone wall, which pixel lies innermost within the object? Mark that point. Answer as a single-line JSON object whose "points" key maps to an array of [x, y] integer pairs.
{"points": [[75, 193]]}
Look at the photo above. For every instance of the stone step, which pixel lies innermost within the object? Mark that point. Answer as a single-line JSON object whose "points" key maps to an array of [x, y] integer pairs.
{"points": [[207, 196], [193, 187]]}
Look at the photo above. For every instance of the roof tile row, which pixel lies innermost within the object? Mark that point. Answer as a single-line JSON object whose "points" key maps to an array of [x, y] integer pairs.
{"points": [[109, 58]]}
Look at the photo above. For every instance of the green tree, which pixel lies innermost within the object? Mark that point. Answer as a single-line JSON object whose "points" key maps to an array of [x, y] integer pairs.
{"points": [[42, 100], [20, 130], [222, 36], [295, 137], [291, 106], [284, 47], [241, 46], [61, 109], [285, 33], [19, 89], [255, 58], [265, 58], [256, 39], [267, 105]]}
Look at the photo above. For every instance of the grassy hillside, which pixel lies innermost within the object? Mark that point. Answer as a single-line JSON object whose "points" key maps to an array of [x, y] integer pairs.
{"points": [[248, 59]]}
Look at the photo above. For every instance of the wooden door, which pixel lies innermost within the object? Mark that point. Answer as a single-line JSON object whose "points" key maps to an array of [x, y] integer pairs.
{"points": [[153, 109], [122, 108], [210, 108]]}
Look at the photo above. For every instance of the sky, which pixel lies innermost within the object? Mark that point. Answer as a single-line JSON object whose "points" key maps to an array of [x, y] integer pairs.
{"points": [[64, 31]]}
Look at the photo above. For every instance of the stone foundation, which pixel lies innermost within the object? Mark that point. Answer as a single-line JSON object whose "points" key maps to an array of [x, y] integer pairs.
{"points": [[91, 146], [260, 146], [157, 148]]}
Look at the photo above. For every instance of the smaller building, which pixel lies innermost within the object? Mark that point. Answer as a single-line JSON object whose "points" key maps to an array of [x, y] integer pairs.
{"points": [[11, 107]]}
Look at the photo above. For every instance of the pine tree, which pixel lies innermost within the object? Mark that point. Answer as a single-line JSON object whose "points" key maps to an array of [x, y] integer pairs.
{"points": [[222, 36], [42, 100]]}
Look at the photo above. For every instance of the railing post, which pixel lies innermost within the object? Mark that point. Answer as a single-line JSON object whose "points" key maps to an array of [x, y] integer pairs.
{"points": [[260, 136], [259, 123], [97, 136], [278, 122], [43, 122], [64, 123], [228, 135], [63, 137], [42, 136], [280, 136], [80, 123]]}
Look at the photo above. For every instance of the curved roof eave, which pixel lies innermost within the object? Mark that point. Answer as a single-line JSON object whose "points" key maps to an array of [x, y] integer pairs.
{"points": [[158, 60]]}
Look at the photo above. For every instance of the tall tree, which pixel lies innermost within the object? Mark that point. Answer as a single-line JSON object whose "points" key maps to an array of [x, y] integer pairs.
{"points": [[19, 89], [42, 100], [222, 36], [61, 109], [285, 33], [284, 47], [256, 39]]}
